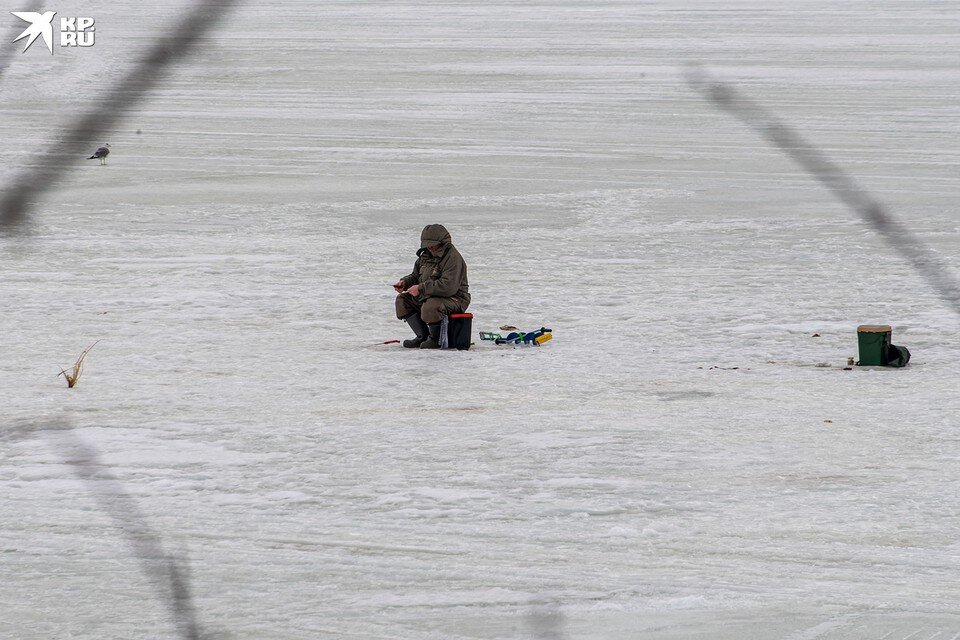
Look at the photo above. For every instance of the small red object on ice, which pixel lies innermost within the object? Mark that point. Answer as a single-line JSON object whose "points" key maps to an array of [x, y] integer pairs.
{"points": [[391, 342]]}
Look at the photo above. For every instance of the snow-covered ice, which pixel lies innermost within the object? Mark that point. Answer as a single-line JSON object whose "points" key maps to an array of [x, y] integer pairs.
{"points": [[674, 464]]}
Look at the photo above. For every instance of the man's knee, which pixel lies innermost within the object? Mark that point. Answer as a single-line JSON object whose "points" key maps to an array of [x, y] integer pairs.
{"points": [[430, 311], [434, 309], [406, 305]]}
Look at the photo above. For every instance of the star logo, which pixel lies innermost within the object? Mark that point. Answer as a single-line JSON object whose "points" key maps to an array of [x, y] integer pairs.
{"points": [[41, 24]]}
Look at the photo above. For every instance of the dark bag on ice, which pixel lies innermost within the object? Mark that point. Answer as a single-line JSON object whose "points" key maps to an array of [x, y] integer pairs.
{"points": [[459, 328], [897, 356]]}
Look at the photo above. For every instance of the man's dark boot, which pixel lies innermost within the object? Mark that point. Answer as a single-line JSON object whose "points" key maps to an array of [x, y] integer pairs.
{"points": [[419, 327], [433, 342]]}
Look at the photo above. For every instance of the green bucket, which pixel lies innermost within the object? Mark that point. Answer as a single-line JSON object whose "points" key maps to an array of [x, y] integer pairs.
{"points": [[874, 344]]}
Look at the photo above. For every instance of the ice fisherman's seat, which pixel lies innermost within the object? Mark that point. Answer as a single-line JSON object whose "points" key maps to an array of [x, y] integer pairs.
{"points": [[455, 331]]}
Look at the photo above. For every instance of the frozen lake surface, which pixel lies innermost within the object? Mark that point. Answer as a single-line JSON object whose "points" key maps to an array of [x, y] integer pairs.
{"points": [[674, 464]]}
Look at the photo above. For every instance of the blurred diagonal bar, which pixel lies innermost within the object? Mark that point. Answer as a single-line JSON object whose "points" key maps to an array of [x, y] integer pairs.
{"points": [[934, 270], [168, 576], [46, 170], [9, 52], [547, 621]]}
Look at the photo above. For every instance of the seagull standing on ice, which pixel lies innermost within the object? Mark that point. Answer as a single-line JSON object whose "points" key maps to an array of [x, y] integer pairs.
{"points": [[40, 25], [101, 153]]}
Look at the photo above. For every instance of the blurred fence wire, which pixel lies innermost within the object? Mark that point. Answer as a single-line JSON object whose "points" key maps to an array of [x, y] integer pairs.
{"points": [[168, 574], [923, 260], [46, 170], [9, 53], [546, 621]]}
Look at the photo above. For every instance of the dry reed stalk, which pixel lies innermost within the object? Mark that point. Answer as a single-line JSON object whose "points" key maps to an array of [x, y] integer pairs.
{"points": [[77, 368]]}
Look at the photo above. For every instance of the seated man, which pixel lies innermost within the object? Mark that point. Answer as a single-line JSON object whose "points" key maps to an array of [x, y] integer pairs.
{"points": [[436, 287]]}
